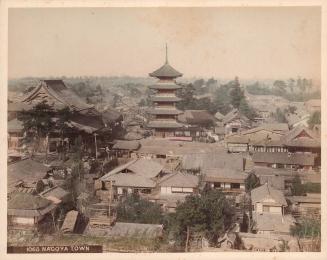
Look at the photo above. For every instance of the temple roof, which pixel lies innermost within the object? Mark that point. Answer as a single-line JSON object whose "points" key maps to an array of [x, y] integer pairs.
{"points": [[63, 96], [166, 71], [165, 99], [159, 111], [164, 124], [168, 85]]}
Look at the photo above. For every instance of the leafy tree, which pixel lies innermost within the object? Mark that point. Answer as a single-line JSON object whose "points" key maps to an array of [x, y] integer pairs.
{"points": [[210, 214], [307, 227], [252, 182], [236, 93], [37, 123], [279, 115], [315, 119], [297, 187], [246, 110], [138, 210]]}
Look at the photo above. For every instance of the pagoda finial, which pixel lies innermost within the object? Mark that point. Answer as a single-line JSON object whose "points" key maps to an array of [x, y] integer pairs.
{"points": [[166, 54]]}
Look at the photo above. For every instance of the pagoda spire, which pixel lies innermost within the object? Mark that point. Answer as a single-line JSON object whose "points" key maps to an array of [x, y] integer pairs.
{"points": [[166, 54]]}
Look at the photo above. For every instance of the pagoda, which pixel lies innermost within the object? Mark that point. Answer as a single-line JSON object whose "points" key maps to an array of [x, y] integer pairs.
{"points": [[164, 112]]}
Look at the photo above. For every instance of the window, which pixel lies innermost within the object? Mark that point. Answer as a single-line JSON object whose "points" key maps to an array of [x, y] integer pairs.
{"points": [[217, 185], [265, 208], [234, 130], [235, 185]]}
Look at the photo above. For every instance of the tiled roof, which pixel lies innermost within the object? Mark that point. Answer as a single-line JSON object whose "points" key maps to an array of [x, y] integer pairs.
{"points": [[179, 180], [283, 158], [161, 111], [224, 175], [164, 124], [59, 92], [165, 99], [266, 193], [166, 71]]}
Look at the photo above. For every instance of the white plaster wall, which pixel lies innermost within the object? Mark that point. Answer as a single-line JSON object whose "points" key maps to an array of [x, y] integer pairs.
{"points": [[227, 185], [22, 220], [277, 210], [259, 207]]}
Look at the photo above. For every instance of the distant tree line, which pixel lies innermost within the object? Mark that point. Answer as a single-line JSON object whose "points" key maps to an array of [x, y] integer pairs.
{"points": [[292, 90], [225, 98]]}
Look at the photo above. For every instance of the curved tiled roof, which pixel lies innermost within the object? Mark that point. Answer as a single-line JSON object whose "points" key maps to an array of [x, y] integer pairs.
{"points": [[160, 111], [164, 124], [166, 71], [165, 99], [168, 86]]}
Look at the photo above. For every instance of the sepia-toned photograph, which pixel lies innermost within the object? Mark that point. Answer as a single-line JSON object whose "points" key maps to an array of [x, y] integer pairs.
{"points": [[163, 129]]}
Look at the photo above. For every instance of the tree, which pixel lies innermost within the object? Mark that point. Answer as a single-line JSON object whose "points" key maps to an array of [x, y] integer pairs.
{"points": [[37, 123], [307, 227], [246, 110], [210, 215], [280, 116], [138, 210], [315, 119], [236, 93], [64, 115], [297, 187], [251, 182]]}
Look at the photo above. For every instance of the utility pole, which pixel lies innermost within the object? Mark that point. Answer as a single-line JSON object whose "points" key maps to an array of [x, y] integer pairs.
{"points": [[96, 146], [109, 203]]}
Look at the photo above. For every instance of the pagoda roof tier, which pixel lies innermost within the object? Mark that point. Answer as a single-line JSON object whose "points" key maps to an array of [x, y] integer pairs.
{"points": [[167, 111], [164, 124], [165, 99], [166, 71], [168, 86]]}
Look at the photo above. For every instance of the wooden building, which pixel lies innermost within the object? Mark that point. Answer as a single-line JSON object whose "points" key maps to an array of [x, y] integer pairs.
{"points": [[268, 211], [284, 160], [164, 112], [26, 211], [225, 179]]}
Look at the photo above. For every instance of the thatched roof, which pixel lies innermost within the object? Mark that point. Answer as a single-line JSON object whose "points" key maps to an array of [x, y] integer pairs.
{"points": [[283, 158], [179, 179], [126, 145], [28, 205], [269, 195]]}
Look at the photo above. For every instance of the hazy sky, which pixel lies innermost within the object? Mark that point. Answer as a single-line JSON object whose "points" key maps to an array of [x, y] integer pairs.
{"points": [[267, 42]]}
